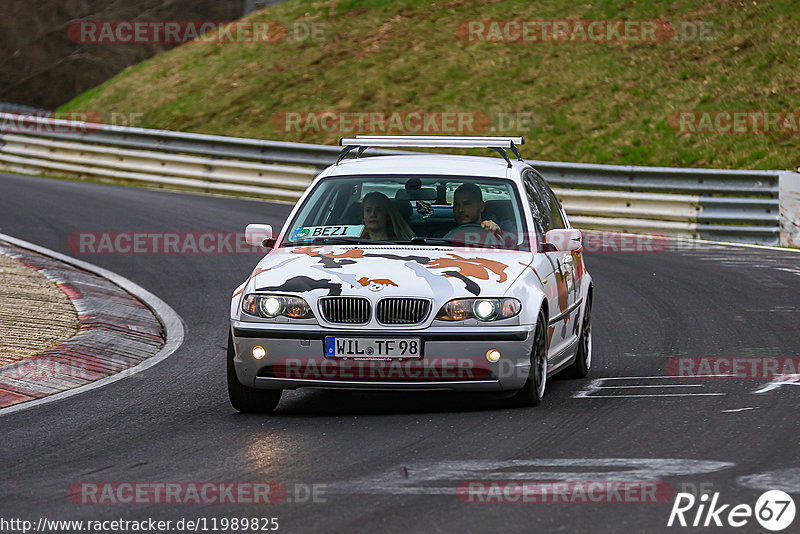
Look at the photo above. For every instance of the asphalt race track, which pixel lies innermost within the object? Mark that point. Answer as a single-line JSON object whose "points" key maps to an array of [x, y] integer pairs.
{"points": [[391, 461]]}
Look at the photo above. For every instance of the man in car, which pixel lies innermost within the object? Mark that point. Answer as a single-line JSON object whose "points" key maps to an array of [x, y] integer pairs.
{"points": [[468, 209]]}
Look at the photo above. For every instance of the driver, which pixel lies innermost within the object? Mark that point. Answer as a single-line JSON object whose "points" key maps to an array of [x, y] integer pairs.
{"points": [[468, 208]]}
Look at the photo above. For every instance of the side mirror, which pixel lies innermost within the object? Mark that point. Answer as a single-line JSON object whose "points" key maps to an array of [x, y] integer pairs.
{"points": [[563, 240], [259, 235]]}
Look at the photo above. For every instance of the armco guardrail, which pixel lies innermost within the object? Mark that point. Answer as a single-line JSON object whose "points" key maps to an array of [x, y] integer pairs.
{"points": [[740, 206], [737, 206]]}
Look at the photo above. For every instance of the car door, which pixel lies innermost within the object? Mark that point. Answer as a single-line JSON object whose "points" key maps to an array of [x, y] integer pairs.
{"points": [[575, 259], [559, 280]]}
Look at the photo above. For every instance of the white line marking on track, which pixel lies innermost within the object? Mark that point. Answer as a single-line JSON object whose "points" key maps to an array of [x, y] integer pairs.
{"points": [[443, 477], [779, 381], [787, 480], [696, 243], [659, 386], [637, 378], [662, 377], [596, 388], [652, 395]]}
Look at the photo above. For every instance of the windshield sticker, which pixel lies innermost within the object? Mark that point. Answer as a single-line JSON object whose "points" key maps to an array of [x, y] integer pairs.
{"points": [[311, 232]]}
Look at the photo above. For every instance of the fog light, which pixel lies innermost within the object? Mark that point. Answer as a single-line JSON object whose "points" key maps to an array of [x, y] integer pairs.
{"points": [[493, 355], [259, 352]]}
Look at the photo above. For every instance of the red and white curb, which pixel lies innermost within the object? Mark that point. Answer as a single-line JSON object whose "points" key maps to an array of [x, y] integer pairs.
{"points": [[124, 329]]}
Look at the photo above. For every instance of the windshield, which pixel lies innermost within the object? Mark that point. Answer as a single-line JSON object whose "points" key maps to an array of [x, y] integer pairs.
{"points": [[419, 210]]}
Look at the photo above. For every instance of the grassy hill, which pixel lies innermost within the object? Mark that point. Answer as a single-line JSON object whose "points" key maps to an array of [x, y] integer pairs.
{"points": [[602, 102]]}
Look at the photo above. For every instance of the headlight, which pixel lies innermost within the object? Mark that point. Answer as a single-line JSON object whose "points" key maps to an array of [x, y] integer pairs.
{"points": [[486, 309], [481, 309], [271, 306]]}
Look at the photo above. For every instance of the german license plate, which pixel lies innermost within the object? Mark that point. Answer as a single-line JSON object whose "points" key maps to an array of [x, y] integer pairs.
{"points": [[372, 348]]}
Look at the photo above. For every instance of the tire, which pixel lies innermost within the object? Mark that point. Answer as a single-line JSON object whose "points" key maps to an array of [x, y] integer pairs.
{"points": [[245, 399], [532, 392], [583, 359]]}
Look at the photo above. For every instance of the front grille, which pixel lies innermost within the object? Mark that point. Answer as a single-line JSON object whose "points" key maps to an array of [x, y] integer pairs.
{"points": [[345, 310], [403, 310]]}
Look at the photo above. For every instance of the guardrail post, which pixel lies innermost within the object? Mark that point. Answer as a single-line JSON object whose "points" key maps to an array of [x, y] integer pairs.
{"points": [[789, 196]]}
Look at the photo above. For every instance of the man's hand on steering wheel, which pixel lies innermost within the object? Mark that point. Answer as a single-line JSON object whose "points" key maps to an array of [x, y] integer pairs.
{"points": [[490, 226]]}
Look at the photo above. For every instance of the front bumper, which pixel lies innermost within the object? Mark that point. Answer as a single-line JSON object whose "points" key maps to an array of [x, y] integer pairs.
{"points": [[453, 358]]}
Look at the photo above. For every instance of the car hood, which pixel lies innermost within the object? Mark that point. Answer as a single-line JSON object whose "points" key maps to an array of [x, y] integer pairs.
{"points": [[381, 271]]}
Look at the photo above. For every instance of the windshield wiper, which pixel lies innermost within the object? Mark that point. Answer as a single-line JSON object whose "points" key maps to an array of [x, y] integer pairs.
{"points": [[447, 242], [432, 241]]}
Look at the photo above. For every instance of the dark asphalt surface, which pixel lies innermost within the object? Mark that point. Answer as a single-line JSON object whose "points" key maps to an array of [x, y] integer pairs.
{"points": [[385, 461]]}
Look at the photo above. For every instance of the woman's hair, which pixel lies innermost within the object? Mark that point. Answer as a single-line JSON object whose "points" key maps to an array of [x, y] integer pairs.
{"points": [[397, 226]]}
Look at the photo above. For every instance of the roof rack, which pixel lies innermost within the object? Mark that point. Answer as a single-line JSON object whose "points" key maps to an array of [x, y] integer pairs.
{"points": [[498, 144]]}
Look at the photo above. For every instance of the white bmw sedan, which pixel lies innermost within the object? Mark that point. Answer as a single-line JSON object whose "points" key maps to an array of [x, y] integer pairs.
{"points": [[414, 272]]}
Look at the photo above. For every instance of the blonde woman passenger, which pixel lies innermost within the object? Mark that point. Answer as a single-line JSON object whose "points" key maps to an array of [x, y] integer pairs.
{"points": [[382, 221]]}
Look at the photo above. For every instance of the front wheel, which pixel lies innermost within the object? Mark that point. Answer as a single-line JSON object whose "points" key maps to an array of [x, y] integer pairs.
{"points": [[245, 399], [532, 392]]}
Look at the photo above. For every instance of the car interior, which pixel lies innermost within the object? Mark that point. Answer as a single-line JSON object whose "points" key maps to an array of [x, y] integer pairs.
{"points": [[426, 204]]}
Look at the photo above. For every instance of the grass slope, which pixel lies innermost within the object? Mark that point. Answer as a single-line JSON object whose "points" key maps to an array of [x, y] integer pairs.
{"points": [[590, 102]]}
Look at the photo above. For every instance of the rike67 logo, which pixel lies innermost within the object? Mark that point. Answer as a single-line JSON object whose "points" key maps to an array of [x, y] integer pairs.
{"points": [[774, 510]]}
